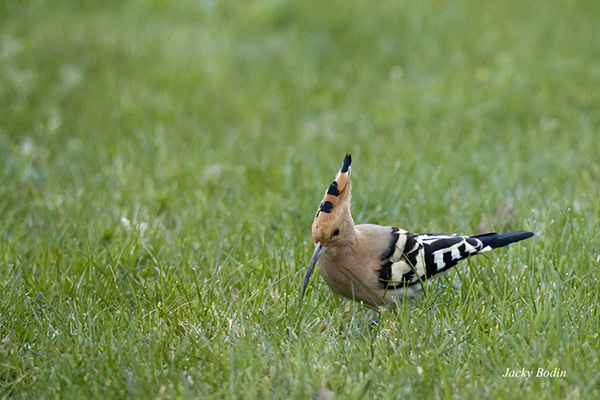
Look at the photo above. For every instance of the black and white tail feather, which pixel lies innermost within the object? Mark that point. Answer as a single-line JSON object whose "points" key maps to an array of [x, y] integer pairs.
{"points": [[413, 259]]}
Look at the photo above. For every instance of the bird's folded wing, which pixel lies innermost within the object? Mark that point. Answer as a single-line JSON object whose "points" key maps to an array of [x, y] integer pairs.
{"points": [[422, 256]]}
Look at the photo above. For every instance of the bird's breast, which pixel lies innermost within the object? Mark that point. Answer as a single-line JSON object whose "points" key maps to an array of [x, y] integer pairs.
{"points": [[353, 277]]}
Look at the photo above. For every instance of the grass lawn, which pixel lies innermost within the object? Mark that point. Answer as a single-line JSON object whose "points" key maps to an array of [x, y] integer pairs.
{"points": [[145, 145]]}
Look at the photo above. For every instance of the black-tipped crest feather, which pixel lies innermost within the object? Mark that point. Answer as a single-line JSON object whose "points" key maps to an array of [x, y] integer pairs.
{"points": [[333, 189], [347, 162], [336, 188]]}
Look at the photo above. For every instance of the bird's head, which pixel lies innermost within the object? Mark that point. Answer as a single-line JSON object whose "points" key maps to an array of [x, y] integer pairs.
{"points": [[333, 223]]}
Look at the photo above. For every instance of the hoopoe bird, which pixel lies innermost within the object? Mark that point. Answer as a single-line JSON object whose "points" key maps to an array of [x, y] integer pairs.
{"points": [[379, 265]]}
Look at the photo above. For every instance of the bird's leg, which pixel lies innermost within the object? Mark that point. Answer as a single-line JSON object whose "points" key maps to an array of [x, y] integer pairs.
{"points": [[375, 321]]}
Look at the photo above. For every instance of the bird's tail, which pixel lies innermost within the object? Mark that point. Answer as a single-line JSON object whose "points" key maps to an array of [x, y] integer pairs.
{"points": [[494, 240]]}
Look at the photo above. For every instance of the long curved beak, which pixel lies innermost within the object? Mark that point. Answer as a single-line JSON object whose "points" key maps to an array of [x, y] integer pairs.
{"points": [[319, 249]]}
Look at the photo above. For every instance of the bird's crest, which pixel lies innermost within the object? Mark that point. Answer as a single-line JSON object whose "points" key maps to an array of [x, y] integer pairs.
{"points": [[338, 192]]}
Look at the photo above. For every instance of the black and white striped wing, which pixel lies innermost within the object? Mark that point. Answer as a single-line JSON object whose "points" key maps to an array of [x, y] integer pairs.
{"points": [[419, 257]]}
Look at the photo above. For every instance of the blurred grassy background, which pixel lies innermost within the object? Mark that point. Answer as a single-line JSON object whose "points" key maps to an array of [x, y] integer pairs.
{"points": [[129, 131]]}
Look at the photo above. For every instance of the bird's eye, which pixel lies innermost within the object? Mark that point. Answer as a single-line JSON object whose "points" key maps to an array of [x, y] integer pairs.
{"points": [[336, 231]]}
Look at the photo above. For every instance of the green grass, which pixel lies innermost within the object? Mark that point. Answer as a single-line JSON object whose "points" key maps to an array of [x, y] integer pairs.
{"points": [[181, 116]]}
